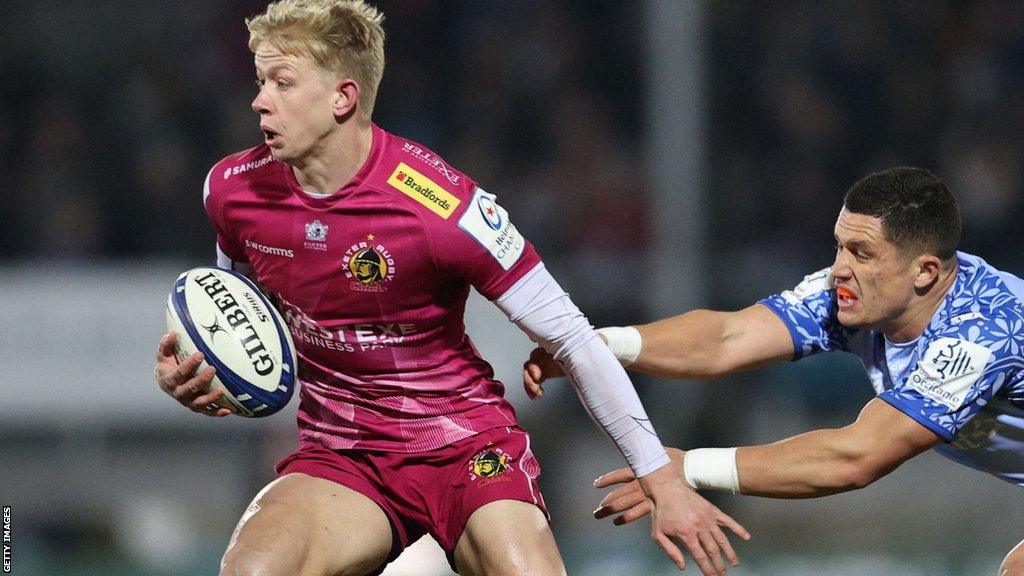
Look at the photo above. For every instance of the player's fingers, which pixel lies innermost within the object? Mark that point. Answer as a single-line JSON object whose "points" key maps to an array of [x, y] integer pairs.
{"points": [[614, 477], [714, 552], [536, 374], [165, 350], [186, 392], [183, 372], [724, 519], [725, 546], [700, 558], [204, 401], [670, 549], [531, 382], [545, 363], [623, 497], [635, 513]]}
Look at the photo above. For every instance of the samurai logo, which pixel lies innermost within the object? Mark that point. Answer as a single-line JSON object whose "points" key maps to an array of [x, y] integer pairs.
{"points": [[369, 265], [489, 464]]}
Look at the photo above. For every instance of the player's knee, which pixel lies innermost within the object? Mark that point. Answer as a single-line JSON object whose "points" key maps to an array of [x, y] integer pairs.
{"points": [[1013, 564], [243, 560], [539, 565], [238, 562]]}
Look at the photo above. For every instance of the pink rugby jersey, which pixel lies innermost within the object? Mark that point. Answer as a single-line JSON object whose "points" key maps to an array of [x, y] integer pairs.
{"points": [[373, 282]]}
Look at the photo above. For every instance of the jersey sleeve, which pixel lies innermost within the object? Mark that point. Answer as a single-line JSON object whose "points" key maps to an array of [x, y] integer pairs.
{"points": [[539, 306], [809, 312], [482, 245], [229, 254], [956, 377]]}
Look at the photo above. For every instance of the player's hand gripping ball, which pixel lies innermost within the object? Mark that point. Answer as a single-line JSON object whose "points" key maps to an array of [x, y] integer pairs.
{"points": [[225, 316]]}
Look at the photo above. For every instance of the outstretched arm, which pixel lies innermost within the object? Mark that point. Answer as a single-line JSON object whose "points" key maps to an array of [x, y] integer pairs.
{"points": [[697, 344], [828, 461], [706, 343], [544, 311], [809, 465]]}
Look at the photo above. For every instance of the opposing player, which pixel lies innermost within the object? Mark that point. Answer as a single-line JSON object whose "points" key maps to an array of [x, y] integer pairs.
{"points": [[369, 244], [940, 332]]}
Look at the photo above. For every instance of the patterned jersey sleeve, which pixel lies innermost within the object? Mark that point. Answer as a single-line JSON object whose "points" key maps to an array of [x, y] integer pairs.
{"points": [[957, 376], [809, 312], [484, 246]]}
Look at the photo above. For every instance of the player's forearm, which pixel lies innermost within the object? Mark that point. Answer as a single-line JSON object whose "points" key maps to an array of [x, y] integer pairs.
{"points": [[691, 345], [544, 311], [813, 464]]}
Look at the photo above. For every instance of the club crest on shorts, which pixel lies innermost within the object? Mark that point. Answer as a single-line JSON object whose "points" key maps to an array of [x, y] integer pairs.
{"points": [[488, 466], [368, 265]]}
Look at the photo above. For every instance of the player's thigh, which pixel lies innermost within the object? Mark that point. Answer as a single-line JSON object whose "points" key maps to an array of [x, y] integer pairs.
{"points": [[505, 538], [1013, 564], [302, 525]]}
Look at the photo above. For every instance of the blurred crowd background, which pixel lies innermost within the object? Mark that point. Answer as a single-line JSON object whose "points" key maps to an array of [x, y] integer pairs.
{"points": [[112, 112]]}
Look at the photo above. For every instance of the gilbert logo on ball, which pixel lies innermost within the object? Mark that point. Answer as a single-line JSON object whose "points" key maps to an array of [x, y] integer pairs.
{"points": [[225, 316]]}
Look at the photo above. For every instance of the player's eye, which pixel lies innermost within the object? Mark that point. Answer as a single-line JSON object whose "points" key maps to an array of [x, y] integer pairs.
{"points": [[259, 84]]}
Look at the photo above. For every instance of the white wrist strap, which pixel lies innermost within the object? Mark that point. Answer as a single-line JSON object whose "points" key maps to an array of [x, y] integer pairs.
{"points": [[713, 468], [625, 342]]}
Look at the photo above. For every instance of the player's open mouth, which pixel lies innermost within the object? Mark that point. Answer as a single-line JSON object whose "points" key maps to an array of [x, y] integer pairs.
{"points": [[269, 135], [846, 296]]}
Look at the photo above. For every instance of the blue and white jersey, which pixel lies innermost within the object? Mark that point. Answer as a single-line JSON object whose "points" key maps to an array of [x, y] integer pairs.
{"points": [[963, 378]]}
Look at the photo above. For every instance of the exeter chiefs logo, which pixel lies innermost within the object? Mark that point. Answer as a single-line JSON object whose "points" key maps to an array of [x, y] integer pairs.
{"points": [[369, 265], [489, 466]]}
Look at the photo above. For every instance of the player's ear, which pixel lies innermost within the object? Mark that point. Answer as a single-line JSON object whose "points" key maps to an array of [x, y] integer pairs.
{"points": [[346, 97], [928, 268]]}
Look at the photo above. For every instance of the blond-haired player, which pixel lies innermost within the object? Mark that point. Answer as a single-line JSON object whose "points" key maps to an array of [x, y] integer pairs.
{"points": [[369, 244]]}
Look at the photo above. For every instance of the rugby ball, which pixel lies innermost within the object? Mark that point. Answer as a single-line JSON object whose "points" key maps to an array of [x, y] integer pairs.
{"points": [[225, 316]]}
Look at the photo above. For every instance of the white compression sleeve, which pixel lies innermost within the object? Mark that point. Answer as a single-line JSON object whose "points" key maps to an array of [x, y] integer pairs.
{"points": [[539, 306]]}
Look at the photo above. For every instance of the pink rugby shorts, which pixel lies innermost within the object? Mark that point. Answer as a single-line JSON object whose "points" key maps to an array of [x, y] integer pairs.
{"points": [[431, 492]]}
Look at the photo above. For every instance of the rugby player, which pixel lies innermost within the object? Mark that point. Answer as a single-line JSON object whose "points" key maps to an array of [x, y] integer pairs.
{"points": [[940, 332], [369, 244]]}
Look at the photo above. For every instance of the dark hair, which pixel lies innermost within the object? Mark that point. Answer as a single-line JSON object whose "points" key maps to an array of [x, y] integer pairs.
{"points": [[916, 209]]}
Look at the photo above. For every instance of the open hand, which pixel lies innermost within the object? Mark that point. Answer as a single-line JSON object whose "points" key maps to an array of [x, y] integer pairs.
{"points": [[679, 515]]}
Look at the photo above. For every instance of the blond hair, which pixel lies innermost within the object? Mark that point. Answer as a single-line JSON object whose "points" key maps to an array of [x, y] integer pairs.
{"points": [[343, 37]]}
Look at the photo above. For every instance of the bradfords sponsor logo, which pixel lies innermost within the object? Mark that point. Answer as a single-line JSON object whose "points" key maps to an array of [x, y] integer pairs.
{"points": [[269, 249], [236, 170], [369, 266], [423, 190], [432, 160], [949, 370], [239, 322]]}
